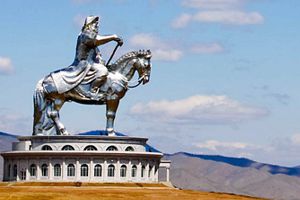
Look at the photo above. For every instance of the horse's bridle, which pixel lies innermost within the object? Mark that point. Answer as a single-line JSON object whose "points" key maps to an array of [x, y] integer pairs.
{"points": [[140, 80]]}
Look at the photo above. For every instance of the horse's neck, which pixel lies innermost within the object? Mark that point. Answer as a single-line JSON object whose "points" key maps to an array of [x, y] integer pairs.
{"points": [[127, 69]]}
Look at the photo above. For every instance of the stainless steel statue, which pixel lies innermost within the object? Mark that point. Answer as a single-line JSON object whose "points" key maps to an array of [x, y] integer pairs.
{"points": [[87, 81]]}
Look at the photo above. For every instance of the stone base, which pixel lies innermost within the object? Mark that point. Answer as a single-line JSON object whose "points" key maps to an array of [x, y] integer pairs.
{"points": [[81, 158]]}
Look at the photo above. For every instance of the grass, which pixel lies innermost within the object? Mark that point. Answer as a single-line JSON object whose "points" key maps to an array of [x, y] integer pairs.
{"points": [[104, 191]]}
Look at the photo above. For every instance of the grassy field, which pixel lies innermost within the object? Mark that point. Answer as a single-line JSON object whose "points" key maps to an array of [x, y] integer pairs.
{"points": [[96, 191]]}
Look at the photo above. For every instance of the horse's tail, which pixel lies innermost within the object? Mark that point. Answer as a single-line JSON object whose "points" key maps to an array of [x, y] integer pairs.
{"points": [[40, 105]]}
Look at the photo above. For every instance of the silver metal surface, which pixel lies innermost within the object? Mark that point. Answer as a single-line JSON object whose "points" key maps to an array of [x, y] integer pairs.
{"points": [[87, 81]]}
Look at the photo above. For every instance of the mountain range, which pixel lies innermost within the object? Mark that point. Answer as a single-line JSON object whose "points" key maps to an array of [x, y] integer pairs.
{"points": [[217, 173]]}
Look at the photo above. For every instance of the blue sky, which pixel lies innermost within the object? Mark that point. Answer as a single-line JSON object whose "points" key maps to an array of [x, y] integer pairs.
{"points": [[224, 80]]}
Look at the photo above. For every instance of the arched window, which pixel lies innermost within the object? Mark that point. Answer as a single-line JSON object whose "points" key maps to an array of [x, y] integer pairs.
{"points": [[97, 170], [46, 148], [32, 170], [68, 148], [112, 148], [130, 148], [71, 170], [15, 171], [84, 170], [133, 171], [123, 170], [90, 148], [57, 170], [111, 171], [143, 171], [44, 170]]}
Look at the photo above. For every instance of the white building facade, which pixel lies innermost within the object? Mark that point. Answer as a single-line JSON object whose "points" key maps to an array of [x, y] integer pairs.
{"points": [[83, 158]]}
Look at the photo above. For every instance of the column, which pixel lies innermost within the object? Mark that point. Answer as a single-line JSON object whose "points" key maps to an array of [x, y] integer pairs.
{"points": [[91, 171], [38, 170], [105, 170], [168, 174], [50, 169], [146, 175], [153, 173], [77, 170], [18, 170], [27, 170], [156, 172], [128, 174], [117, 173], [63, 170], [139, 171]]}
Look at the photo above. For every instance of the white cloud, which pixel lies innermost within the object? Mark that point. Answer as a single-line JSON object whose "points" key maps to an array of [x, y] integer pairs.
{"points": [[167, 55], [217, 11], [213, 4], [234, 149], [182, 21], [233, 17], [161, 50], [145, 40], [198, 110], [214, 145], [6, 66], [207, 48]]}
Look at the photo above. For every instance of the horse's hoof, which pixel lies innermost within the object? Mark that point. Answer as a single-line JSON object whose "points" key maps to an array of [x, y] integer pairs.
{"points": [[110, 132], [64, 132]]}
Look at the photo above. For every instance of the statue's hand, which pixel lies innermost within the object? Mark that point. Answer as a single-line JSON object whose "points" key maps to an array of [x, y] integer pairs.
{"points": [[119, 40]]}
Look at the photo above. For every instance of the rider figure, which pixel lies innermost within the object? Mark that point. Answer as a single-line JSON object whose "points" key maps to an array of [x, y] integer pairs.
{"points": [[88, 65]]}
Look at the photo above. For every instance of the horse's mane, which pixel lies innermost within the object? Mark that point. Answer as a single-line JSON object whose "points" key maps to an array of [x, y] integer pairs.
{"points": [[127, 56]]}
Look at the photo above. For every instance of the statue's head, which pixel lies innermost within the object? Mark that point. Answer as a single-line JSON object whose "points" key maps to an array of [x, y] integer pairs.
{"points": [[91, 23]]}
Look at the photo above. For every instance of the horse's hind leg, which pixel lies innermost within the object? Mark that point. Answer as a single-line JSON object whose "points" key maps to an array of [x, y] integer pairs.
{"points": [[111, 109], [53, 113]]}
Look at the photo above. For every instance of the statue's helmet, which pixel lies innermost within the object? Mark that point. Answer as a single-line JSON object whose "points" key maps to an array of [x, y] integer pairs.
{"points": [[89, 20]]}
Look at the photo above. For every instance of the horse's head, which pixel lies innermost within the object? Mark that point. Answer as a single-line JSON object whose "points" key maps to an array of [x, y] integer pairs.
{"points": [[143, 65]]}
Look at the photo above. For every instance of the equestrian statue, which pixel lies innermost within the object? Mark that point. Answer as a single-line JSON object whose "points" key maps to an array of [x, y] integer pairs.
{"points": [[88, 80]]}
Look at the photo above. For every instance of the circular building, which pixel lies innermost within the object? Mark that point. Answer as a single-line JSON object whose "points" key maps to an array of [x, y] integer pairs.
{"points": [[83, 158]]}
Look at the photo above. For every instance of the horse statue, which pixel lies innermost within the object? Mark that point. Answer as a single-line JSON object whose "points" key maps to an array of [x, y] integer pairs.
{"points": [[47, 104]]}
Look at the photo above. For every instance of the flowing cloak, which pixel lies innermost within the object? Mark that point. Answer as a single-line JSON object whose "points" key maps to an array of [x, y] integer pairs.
{"points": [[80, 72]]}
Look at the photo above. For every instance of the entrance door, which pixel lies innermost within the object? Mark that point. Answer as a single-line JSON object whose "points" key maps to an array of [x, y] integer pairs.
{"points": [[23, 175]]}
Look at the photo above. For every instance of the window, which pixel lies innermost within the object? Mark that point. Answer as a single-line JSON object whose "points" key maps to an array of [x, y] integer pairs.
{"points": [[97, 170], [123, 171], [90, 148], [133, 171], [57, 170], [111, 171], [32, 170], [44, 170], [46, 148], [84, 170], [130, 148], [15, 171], [111, 148], [71, 170], [68, 148], [143, 171]]}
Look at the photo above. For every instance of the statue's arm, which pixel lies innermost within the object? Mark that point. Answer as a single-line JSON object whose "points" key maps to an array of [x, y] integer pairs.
{"points": [[102, 39]]}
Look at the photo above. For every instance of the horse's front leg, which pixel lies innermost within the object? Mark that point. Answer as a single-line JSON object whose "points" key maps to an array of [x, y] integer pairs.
{"points": [[111, 109]]}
